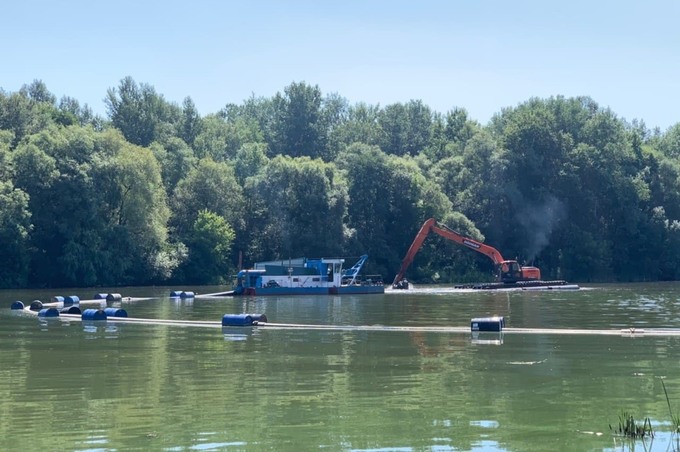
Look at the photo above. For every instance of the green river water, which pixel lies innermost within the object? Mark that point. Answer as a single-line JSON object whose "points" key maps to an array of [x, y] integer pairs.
{"points": [[67, 385]]}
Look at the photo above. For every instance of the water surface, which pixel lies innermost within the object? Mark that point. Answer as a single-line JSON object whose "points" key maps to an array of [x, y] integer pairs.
{"points": [[70, 385]]}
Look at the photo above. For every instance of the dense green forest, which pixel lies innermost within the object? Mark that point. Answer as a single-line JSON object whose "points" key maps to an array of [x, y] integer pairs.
{"points": [[155, 193]]}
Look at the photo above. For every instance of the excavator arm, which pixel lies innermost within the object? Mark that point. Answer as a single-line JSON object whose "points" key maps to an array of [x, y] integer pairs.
{"points": [[510, 270], [432, 226]]}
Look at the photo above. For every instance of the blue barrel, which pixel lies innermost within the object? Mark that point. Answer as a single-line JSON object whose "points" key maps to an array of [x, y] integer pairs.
{"points": [[17, 305], [114, 297], [57, 299], [100, 296], [36, 305], [487, 324], [71, 300], [175, 294], [70, 310], [259, 317], [115, 312], [93, 314], [237, 320], [187, 295], [48, 312]]}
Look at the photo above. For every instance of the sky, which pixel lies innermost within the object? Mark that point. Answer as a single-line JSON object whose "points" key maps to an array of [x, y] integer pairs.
{"points": [[482, 56]]}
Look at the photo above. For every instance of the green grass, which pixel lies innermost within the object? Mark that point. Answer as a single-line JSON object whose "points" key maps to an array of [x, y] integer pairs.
{"points": [[630, 428], [675, 419]]}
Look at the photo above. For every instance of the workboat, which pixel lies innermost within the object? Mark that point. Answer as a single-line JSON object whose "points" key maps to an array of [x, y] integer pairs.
{"points": [[303, 276]]}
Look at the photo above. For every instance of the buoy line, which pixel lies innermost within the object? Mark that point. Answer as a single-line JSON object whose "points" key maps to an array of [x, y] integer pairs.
{"points": [[509, 330], [68, 308], [630, 332]]}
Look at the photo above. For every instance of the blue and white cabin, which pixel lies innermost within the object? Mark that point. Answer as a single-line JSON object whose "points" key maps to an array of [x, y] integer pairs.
{"points": [[302, 276]]}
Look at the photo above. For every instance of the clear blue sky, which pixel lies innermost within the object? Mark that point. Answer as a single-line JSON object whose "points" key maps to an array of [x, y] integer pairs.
{"points": [[478, 55]]}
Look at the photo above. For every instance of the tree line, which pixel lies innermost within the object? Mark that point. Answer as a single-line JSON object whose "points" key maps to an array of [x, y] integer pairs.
{"points": [[155, 193]]}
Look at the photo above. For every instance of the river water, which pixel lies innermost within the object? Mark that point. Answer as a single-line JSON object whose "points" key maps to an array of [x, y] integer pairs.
{"points": [[100, 386]]}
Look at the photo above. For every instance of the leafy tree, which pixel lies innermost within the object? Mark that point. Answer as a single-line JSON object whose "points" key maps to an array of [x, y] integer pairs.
{"points": [[209, 244], [70, 109], [91, 197], [474, 179], [37, 92], [176, 159], [220, 139], [390, 198], [249, 161], [209, 186], [360, 126], [15, 227], [670, 142], [23, 116], [405, 128], [334, 113], [257, 113], [298, 206], [191, 122], [141, 114], [298, 126]]}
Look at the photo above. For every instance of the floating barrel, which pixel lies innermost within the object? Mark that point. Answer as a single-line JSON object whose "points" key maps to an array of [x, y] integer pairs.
{"points": [[57, 299], [70, 310], [187, 295], [114, 297], [94, 314], [36, 305], [175, 294], [487, 324], [237, 320], [100, 296], [259, 317], [71, 300], [48, 312], [17, 305], [115, 312]]}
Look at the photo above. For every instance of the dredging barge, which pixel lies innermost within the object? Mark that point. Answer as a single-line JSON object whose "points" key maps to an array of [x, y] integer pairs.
{"points": [[303, 276]]}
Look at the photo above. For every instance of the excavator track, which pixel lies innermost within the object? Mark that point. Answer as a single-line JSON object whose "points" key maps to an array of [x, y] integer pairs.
{"points": [[515, 285]]}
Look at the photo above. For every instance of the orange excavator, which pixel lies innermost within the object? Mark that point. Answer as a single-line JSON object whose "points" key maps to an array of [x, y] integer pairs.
{"points": [[509, 271]]}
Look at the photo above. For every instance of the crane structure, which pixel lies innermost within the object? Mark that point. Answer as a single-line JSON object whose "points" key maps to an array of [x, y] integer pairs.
{"points": [[509, 271]]}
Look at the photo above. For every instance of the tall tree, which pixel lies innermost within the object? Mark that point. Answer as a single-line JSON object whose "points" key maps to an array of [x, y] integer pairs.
{"points": [[210, 244], [299, 209], [97, 205], [406, 128], [389, 199], [360, 126], [190, 125], [221, 138], [298, 127], [141, 114], [209, 186], [15, 227]]}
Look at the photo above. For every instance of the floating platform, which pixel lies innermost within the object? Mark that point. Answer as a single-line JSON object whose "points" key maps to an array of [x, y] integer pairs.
{"points": [[523, 285]]}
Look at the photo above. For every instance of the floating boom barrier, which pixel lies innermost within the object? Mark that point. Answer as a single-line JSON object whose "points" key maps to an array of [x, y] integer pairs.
{"points": [[477, 325]]}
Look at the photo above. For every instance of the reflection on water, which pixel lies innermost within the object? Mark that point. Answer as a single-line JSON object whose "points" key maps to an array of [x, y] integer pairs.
{"points": [[237, 333], [72, 385], [100, 329]]}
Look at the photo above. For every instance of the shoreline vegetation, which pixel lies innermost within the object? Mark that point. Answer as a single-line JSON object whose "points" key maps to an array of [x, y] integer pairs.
{"points": [[155, 193]]}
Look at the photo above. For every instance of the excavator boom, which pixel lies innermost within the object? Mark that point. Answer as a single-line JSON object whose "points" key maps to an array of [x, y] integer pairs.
{"points": [[510, 271]]}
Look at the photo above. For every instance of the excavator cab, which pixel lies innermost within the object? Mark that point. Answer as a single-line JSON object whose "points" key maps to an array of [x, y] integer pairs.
{"points": [[511, 272]]}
